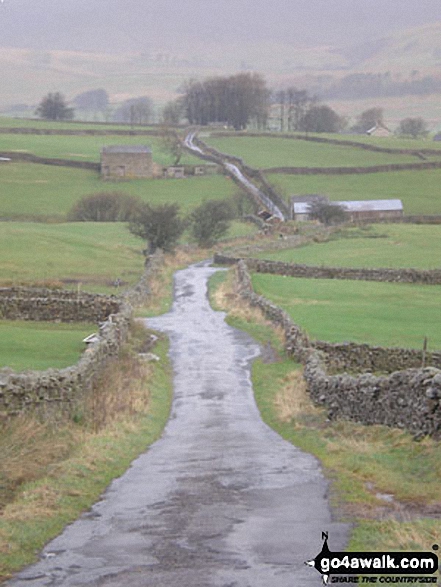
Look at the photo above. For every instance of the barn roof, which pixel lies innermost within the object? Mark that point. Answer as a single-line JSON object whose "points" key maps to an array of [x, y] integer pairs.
{"points": [[356, 206], [126, 149]]}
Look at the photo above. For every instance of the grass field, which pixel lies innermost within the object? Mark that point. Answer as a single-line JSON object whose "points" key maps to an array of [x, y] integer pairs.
{"points": [[266, 152], [391, 142], [385, 314], [31, 191], [41, 345], [418, 190], [84, 148], [385, 245], [94, 254], [8, 122]]}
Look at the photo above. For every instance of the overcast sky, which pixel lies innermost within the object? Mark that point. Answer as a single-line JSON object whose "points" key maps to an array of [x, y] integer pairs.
{"points": [[137, 25]]}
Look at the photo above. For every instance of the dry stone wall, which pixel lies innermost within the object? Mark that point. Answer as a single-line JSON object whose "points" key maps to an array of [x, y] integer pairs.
{"points": [[427, 277], [14, 156], [354, 170], [58, 391], [408, 398], [52, 305]]}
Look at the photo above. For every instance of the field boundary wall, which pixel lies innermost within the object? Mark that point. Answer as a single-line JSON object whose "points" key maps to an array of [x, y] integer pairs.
{"points": [[354, 170], [77, 132], [57, 391], [427, 277], [407, 397], [28, 157]]}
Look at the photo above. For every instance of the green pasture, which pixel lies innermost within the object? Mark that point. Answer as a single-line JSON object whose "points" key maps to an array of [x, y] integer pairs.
{"points": [[91, 254], [386, 314], [418, 190], [84, 148], [41, 345], [8, 122], [31, 191], [385, 245], [265, 152], [392, 142]]}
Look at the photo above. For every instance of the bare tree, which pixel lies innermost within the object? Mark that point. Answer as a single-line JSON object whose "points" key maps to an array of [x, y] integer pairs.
{"points": [[368, 119], [171, 143], [234, 100], [172, 112], [135, 111]]}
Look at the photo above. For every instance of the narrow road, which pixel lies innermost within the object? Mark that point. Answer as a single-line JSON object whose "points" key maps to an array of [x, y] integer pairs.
{"points": [[220, 500], [237, 173]]}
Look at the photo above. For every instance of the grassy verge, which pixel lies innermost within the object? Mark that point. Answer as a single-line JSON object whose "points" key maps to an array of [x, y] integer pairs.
{"points": [[388, 245], [50, 473], [41, 345], [387, 314], [382, 480]]}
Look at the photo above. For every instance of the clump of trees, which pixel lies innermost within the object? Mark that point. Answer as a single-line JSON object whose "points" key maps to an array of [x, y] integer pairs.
{"points": [[105, 207], [233, 100], [94, 100], [368, 119], [326, 212], [54, 107], [162, 226], [135, 111], [293, 104], [412, 127], [173, 112], [321, 119], [300, 111]]}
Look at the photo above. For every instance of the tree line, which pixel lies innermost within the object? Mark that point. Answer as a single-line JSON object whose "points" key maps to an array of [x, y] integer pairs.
{"points": [[235, 101]]}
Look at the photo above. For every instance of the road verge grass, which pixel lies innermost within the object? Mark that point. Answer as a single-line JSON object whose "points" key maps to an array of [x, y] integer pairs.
{"points": [[381, 479], [51, 472]]}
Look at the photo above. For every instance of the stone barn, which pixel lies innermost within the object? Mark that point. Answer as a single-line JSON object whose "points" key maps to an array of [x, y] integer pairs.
{"points": [[126, 162], [358, 211]]}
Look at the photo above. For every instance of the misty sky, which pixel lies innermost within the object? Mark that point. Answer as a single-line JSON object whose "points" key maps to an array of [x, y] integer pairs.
{"points": [[138, 25]]}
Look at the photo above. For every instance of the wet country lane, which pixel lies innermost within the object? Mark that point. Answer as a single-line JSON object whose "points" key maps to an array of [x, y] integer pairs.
{"points": [[220, 500]]}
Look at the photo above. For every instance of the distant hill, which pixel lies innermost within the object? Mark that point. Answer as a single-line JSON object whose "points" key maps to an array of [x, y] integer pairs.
{"points": [[29, 73]]}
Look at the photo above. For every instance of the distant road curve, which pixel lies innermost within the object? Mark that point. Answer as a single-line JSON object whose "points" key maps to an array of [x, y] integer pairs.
{"points": [[235, 171]]}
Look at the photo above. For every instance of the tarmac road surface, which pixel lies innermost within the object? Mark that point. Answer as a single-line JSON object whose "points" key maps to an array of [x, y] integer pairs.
{"points": [[220, 500]]}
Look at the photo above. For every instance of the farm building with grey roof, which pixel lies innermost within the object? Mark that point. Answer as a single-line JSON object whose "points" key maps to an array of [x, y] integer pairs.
{"points": [[126, 162], [358, 209]]}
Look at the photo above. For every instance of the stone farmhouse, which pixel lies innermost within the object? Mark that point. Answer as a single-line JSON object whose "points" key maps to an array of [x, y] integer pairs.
{"points": [[126, 162], [362, 210]]}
